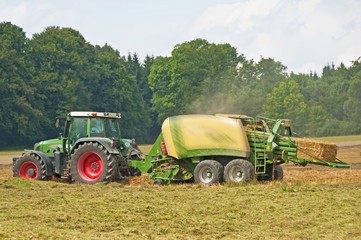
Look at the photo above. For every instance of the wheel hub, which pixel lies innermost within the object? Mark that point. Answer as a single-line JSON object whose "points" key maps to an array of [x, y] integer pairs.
{"points": [[31, 172], [237, 174], [94, 166], [90, 166], [206, 175], [28, 170]]}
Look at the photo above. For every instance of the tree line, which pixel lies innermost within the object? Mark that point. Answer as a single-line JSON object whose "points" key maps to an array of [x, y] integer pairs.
{"points": [[58, 71]]}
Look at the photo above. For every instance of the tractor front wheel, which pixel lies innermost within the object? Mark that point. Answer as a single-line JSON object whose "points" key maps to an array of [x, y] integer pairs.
{"points": [[31, 167], [208, 172], [239, 170], [92, 163]]}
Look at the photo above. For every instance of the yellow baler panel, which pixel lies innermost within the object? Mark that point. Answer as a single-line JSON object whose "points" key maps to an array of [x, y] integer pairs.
{"points": [[187, 135]]}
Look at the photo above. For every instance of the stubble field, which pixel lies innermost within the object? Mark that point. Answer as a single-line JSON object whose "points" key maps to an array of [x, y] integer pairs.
{"points": [[311, 202]]}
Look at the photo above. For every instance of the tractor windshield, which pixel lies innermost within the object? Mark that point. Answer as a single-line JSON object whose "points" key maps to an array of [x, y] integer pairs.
{"points": [[111, 127], [105, 127], [94, 127]]}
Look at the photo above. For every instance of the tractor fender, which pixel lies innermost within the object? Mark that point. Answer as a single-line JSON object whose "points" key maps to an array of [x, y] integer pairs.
{"points": [[49, 166], [106, 142]]}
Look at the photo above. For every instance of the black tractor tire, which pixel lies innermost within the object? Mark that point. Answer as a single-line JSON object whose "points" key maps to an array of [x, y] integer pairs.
{"points": [[92, 163], [278, 174], [157, 182], [132, 170], [30, 166], [208, 172], [239, 171]]}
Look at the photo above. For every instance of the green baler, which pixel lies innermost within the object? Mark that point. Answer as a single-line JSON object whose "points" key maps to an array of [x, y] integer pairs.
{"points": [[212, 149]]}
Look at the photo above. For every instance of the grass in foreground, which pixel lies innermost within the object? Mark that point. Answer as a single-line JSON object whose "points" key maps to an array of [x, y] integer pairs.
{"points": [[52, 210]]}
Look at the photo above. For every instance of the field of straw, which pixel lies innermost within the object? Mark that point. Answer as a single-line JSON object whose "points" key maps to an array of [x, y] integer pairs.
{"points": [[312, 202]]}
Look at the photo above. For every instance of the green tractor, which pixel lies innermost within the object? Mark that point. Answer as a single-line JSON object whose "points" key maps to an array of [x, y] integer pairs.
{"points": [[90, 150]]}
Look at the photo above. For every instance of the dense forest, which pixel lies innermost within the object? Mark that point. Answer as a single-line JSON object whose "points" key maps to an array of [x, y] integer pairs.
{"points": [[57, 71]]}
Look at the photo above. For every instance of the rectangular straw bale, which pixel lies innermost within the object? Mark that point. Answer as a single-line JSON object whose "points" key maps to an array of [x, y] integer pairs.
{"points": [[311, 148]]}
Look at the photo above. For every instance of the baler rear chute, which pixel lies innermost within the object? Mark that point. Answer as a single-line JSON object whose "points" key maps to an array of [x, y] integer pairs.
{"points": [[281, 145], [262, 146]]}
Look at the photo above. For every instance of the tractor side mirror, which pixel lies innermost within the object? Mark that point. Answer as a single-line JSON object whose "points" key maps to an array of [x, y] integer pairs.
{"points": [[57, 123]]}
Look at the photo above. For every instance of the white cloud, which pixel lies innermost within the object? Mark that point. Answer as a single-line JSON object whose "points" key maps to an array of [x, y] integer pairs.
{"points": [[300, 34], [240, 15], [33, 18], [264, 43], [17, 13]]}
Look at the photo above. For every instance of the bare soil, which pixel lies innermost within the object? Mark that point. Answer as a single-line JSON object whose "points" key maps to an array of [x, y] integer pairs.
{"points": [[7, 156]]}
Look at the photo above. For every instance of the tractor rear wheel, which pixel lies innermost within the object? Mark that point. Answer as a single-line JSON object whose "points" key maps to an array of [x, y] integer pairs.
{"points": [[92, 163], [31, 167], [208, 172], [239, 170]]}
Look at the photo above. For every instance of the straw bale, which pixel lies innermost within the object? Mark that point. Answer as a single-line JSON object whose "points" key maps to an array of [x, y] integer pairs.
{"points": [[139, 180], [311, 148]]}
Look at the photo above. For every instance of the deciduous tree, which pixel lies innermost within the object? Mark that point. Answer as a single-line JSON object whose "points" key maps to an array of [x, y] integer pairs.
{"points": [[19, 113]]}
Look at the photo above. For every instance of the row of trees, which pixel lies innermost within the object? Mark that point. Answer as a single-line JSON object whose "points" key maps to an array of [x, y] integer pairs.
{"points": [[200, 77], [57, 71]]}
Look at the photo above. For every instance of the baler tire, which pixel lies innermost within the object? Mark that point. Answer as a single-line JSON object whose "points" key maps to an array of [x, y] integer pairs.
{"points": [[30, 166], [157, 182], [239, 170], [92, 163], [278, 173], [208, 172]]}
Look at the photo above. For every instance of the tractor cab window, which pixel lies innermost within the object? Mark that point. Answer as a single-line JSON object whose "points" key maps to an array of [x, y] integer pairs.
{"points": [[97, 127], [78, 129], [104, 127], [112, 129]]}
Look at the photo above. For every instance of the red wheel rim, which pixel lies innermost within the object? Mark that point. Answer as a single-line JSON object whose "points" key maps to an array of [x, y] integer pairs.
{"points": [[90, 166], [29, 170]]}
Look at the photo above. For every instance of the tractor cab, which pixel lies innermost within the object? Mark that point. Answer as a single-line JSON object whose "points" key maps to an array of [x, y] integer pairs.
{"points": [[78, 125], [91, 124]]}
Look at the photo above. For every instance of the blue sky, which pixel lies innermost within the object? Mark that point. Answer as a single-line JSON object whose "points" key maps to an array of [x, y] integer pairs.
{"points": [[303, 35]]}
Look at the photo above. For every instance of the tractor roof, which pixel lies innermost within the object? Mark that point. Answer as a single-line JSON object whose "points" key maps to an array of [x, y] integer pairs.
{"points": [[95, 114]]}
